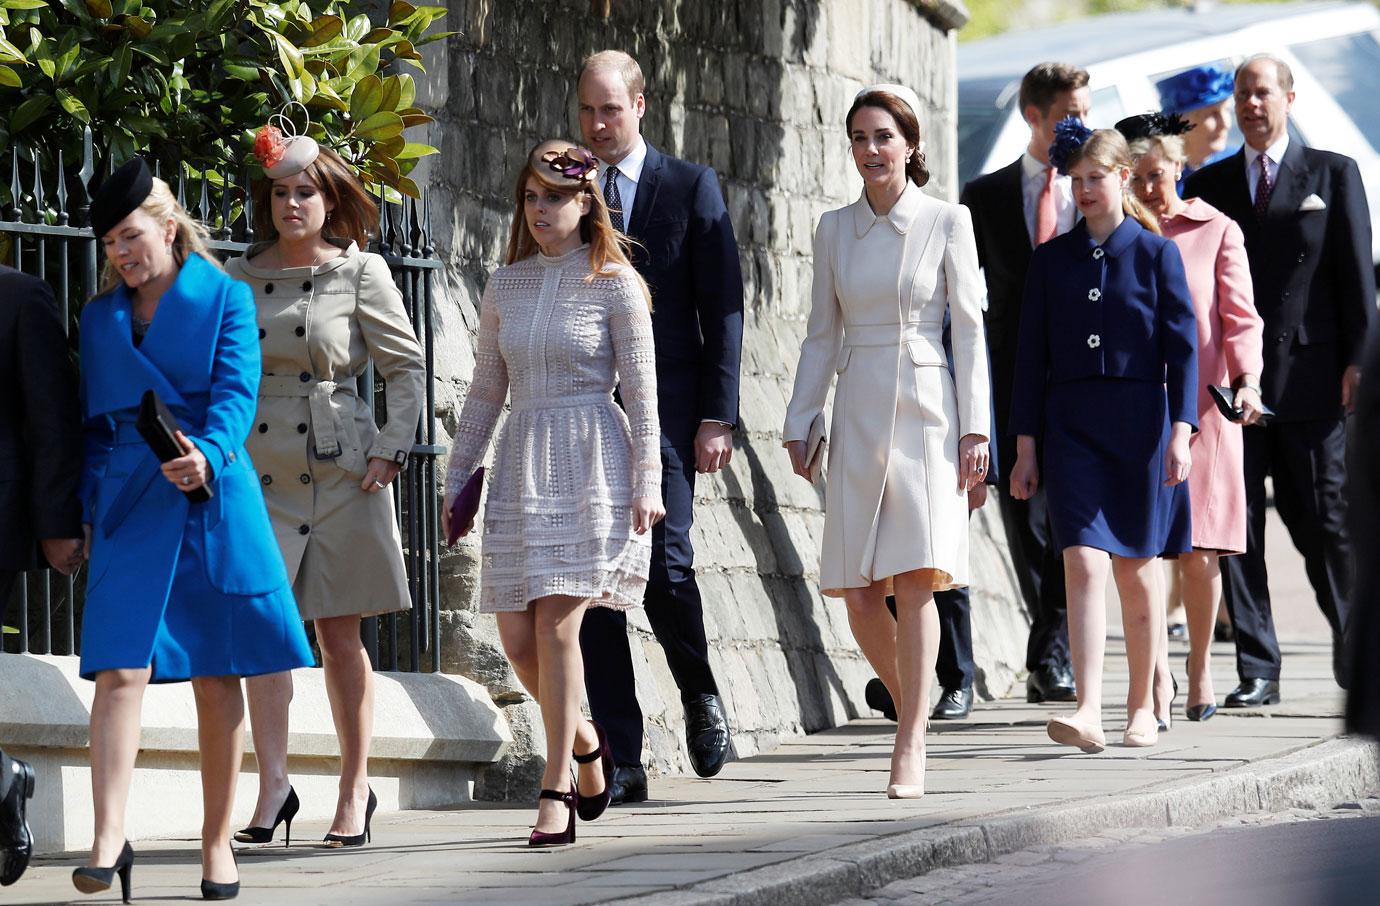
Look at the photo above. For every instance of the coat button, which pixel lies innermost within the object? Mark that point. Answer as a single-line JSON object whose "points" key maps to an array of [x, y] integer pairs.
{"points": [[1094, 341], [1097, 253], [306, 286], [302, 428], [1094, 294], [304, 376], [302, 530], [1301, 257], [262, 333], [304, 478], [263, 428], [267, 479], [230, 456], [300, 331], [268, 288]]}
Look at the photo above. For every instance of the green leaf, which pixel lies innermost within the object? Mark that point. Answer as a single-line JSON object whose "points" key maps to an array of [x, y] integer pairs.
{"points": [[392, 93], [324, 29], [9, 53], [100, 9], [29, 111], [24, 4], [139, 27], [362, 62], [367, 98], [358, 27], [289, 56], [400, 10], [9, 78], [72, 105], [414, 150], [380, 126]]}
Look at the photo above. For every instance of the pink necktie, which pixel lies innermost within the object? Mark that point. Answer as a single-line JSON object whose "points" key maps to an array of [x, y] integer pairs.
{"points": [[1046, 215]]}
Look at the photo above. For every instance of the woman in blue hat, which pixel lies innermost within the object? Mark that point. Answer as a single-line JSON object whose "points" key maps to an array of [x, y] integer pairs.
{"points": [[1202, 97], [178, 589]]}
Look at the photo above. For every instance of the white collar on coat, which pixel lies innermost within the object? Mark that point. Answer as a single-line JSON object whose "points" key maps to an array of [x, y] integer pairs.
{"points": [[901, 216]]}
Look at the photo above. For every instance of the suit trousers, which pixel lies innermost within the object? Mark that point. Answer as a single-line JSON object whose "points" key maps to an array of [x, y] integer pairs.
{"points": [[8, 577], [954, 666], [1307, 461], [1040, 574], [674, 610]]}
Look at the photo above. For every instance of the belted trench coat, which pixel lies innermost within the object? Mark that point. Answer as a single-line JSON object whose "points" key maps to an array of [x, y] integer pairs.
{"points": [[882, 285], [313, 434]]}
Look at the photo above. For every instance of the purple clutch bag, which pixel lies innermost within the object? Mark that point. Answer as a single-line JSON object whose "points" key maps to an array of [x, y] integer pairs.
{"points": [[466, 505]]}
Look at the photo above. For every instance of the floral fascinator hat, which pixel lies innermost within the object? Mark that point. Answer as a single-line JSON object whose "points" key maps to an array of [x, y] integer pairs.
{"points": [[564, 166], [1069, 136], [281, 149], [1152, 125]]}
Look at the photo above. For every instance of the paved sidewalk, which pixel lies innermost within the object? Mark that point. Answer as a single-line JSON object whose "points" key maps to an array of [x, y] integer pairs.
{"points": [[772, 819]]}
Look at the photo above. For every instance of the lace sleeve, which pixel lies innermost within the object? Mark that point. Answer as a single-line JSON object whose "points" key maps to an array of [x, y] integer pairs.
{"points": [[630, 328], [484, 402]]}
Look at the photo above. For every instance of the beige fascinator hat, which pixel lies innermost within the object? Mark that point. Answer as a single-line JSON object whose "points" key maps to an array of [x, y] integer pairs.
{"points": [[281, 149]]}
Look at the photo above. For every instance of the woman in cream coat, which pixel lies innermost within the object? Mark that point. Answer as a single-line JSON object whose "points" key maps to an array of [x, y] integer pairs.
{"points": [[908, 440]]}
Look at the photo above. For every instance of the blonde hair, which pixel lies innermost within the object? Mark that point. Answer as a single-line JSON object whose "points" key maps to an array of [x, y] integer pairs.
{"points": [[1171, 147], [609, 250], [619, 62], [191, 237], [1108, 149]]}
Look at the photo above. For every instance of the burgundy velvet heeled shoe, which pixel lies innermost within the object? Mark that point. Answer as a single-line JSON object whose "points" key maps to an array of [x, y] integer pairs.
{"points": [[560, 838], [591, 807]]}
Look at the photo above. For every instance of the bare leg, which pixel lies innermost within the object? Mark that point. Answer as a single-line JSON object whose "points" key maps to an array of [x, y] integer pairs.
{"points": [[350, 687], [556, 627], [269, 697], [1174, 598], [917, 646], [1142, 616], [1202, 591], [517, 631], [1085, 571], [875, 632], [220, 735], [115, 719], [1162, 686]]}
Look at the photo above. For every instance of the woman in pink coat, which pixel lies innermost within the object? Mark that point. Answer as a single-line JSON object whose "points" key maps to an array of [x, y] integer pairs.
{"points": [[1229, 353]]}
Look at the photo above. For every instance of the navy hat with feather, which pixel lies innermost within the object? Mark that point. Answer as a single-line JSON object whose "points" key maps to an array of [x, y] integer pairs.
{"points": [[119, 194], [1069, 136], [1149, 125]]}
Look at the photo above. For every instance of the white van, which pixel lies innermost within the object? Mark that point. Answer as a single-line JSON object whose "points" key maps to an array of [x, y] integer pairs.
{"points": [[1333, 49]]}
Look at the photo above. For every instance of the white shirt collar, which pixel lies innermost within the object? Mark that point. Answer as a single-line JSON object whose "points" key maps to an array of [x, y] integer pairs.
{"points": [[1275, 152], [631, 166], [1032, 168]]}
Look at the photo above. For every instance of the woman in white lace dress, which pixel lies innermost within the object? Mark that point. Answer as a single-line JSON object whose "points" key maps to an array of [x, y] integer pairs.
{"points": [[576, 483]]}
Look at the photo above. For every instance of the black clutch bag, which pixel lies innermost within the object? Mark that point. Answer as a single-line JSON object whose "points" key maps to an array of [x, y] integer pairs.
{"points": [[159, 427], [1225, 398]]}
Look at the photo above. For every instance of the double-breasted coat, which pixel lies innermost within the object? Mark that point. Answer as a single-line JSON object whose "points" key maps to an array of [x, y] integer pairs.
{"points": [[191, 589], [313, 433], [882, 285]]}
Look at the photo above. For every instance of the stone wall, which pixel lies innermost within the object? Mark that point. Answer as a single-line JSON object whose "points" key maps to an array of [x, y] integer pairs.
{"points": [[757, 89]]}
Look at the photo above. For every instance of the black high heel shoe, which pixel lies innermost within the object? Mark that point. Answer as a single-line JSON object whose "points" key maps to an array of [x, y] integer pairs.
{"points": [[559, 838], [210, 890], [1163, 726], [339, 840], [591, 807], [90, 879], [291, 806]]}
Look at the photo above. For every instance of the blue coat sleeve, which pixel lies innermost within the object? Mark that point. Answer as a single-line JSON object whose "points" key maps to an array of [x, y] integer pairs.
{"points": [[234, 379], [718, 290], [98, 438], [1032, 351], [1178, 329]]}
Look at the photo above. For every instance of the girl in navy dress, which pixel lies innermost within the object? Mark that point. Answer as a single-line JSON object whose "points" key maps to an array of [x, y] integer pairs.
{"points": [[1107, 385]]}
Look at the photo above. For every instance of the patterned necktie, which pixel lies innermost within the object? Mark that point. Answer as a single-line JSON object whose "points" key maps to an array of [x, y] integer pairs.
{"points": [[1263, 189], [614, 199], [1046, 214]]}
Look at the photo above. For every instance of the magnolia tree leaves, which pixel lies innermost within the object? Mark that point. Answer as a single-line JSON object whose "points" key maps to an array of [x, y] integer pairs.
{"points": [[190, 82]]}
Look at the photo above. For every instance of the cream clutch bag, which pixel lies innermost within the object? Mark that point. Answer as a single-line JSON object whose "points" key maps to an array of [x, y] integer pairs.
{"points": [[816, 447]]}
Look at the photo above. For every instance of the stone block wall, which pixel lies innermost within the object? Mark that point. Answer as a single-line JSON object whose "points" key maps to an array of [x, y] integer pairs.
{"points": [[757, 89]]}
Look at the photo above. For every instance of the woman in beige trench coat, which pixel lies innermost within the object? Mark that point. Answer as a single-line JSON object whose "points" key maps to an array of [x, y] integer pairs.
{"points": [[908, 440], [325, 309]]}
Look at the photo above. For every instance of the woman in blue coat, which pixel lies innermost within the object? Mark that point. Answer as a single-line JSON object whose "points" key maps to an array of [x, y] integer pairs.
{"points": [[177, 590], [1107, 384]]}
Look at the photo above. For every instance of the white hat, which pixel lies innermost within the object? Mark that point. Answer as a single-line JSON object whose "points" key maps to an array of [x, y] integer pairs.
{"points": [[281, 150], [908, 97]]}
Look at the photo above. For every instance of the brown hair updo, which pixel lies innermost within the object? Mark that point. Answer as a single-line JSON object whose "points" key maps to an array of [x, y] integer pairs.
{"points": [[905, 118], [353, 215]]}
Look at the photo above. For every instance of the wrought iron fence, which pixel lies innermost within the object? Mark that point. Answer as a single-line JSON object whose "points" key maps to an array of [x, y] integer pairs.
{"points": [[44, 232]]}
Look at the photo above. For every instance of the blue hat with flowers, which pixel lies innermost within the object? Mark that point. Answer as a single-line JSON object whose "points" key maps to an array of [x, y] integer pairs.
{"points": [[1201, 86], [1069, 136]]}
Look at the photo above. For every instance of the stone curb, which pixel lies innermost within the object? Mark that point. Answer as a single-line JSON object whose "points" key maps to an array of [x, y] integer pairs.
{"points": [[1316, 776]]}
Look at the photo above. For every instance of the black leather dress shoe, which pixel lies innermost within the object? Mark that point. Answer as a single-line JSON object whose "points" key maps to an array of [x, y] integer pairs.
{"points": [[629, 784], [878, 698], [1050, 684], [706, 733], [1252, 693], [16, 843], [954, 704]]}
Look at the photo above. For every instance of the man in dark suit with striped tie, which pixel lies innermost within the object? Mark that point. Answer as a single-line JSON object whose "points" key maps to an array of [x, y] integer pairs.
{"points": [[688, 255], [1307, 229]]}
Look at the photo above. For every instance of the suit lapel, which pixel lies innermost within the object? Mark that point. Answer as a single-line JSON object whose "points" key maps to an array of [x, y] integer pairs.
{"points": [[647, 187], [1011, 212], [1291, 184]]}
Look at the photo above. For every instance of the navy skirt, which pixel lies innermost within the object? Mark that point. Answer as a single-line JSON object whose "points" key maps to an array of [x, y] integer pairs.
{"points": [[1104, 445]]}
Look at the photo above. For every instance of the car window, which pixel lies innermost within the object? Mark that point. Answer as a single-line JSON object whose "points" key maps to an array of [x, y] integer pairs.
{"points": [[1107, 108], [1348, 66], [978, 125]]}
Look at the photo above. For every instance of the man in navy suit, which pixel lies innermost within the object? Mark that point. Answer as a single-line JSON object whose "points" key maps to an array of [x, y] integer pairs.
{"points": [[1307, 229], [687, 254], [1015, 209]]}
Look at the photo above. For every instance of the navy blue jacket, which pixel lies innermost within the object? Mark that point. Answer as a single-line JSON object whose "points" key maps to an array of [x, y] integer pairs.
{"points": [[1119, 310], [689, 258]]}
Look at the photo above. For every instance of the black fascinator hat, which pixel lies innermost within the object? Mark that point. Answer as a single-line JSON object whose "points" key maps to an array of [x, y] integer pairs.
{"points": [[1150, 125], [119, 194]]}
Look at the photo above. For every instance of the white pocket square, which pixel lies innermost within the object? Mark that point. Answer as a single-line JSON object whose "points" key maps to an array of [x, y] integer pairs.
{"points": [[1313, 203]]}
